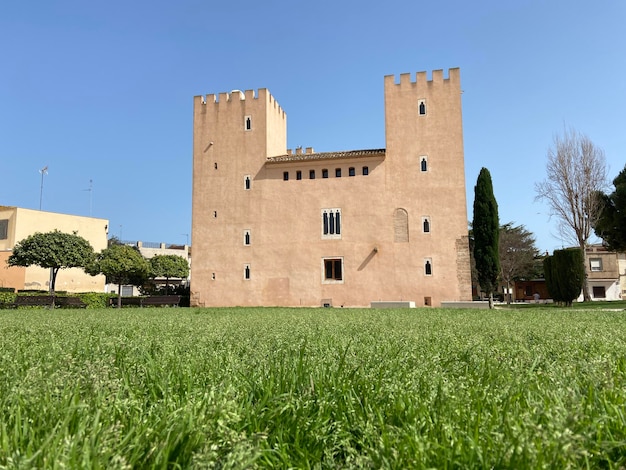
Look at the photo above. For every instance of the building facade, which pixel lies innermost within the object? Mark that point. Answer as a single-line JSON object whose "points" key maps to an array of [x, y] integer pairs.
{"points": [[17, 223], [274, 227]]}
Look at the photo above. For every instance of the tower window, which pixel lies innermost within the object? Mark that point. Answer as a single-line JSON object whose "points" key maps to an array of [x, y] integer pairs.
{"points": [[311, 174], [331, 223], [428, 267], [285, 176], [248, 123], [366, 171], [325, 173], [215, 165], [424, 164], [351, 171], [246, 237], [337, 172], [426, 224], [247, 182], [333, 270], [422, 107], [4, 229], [298, 175], [246, 271]]}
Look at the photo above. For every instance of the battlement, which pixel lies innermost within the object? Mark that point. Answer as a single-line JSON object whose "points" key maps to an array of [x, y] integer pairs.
{"points": [[235, 96], [422, 78]]}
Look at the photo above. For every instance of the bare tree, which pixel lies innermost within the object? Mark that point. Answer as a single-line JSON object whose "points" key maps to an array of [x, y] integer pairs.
{"points": [[576, 170]]}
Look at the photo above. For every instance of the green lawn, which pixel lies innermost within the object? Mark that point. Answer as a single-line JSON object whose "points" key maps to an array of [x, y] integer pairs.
{"points": [[323, 388]]}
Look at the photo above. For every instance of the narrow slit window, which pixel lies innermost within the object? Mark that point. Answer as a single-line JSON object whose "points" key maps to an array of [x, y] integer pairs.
{"points": [[215, 214], [215, 165], [248, 123], [424, 164], [428, 267], [331, 223], [246, 271], [422, 107], [426, 224], [247, 182], [246, 237]]}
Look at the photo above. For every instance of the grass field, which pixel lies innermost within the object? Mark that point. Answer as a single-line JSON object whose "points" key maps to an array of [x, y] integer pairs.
{"points": [[319, 388]]}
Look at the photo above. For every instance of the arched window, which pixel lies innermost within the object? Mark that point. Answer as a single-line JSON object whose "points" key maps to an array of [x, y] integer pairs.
{"points": [[246, 237], [400, 226], [424, 164], [248, 123], [426, 224], [422, 107], [428, 268], [246, 271], [246, 182]]}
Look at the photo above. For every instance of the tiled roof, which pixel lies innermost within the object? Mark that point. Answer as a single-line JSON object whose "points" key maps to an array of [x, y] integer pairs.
{"points": [[327, 155]]}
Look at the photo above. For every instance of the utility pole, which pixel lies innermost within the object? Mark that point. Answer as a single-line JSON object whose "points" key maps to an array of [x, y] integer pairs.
{"points": [[43, 171]]}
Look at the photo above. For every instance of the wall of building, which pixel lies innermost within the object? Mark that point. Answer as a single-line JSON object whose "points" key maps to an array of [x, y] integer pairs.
{"points": [[383, 246], [25, 222]]}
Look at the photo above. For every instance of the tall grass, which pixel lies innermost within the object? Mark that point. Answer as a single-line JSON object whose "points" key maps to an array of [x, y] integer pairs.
{"points": [[312, 388]]}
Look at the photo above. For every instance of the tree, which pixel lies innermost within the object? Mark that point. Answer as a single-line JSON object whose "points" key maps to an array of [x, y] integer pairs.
{"points": [[486, 229], [576, 172], [517, 254], [565, 274], [168, 266], [611, 223], [121, 264], [52, 250]]}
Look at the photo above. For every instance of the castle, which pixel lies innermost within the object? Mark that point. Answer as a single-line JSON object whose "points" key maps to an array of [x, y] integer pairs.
{"points": [[273, 227]]}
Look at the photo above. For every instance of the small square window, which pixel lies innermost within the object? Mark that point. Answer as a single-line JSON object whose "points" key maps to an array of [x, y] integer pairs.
{"points": [[595, 264], [337, 172], [333, 270], [324, 173], [351, 171], [366, 171], [599, 292]]}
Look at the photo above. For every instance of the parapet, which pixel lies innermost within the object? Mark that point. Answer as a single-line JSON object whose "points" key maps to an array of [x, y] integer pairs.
{"points": [[224, 99], [454, 76]]}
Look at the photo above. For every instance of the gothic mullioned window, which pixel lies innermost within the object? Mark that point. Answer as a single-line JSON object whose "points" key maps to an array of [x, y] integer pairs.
{"points": [[331, 223]]}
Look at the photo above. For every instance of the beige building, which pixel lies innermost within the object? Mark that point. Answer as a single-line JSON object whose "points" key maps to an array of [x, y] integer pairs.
{"points": [[17, 223], [274, 227]]}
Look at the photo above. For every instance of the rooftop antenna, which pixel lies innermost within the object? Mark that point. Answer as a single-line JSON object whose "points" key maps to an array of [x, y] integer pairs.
{"points": [[43, 171], [90, 195]]}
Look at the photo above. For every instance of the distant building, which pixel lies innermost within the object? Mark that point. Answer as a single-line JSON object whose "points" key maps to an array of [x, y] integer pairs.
{"points": [[17, 223], [273, 226], [604, 276]]}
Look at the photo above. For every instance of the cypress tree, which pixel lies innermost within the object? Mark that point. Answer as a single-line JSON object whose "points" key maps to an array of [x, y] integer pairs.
{"points": [[486, 227], [570, 273]]}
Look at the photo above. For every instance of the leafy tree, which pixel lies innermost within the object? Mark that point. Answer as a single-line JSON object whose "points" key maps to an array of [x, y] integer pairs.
{"points": [[576, 172], [52, 250], [611, 224], [517, 254], [168, 266], [486, 229], [121, 264], [565, 274]]}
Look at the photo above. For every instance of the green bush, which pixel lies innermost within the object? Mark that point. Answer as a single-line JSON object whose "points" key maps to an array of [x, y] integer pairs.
{"points": [[96, 299], [6, 297]]}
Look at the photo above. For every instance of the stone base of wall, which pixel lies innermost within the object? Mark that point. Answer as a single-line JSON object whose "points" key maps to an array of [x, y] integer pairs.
{"points": [[392, 304], [469, 304]]}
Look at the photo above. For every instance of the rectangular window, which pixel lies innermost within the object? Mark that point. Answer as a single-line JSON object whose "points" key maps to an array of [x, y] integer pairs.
{"points": [[246, 237], [246, 271], [298, 175], [366, 171], [337, 172], [599, 292], [324, 173], [246, 182], [333, 270], [247, 123], [4, 229], [312, 174], [351, 171], [331, 223], [285, 176], [595, 264], [127, 291]]}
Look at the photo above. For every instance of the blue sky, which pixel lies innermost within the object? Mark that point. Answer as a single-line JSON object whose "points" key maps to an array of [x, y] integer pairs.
{"points": [[103, 91]]}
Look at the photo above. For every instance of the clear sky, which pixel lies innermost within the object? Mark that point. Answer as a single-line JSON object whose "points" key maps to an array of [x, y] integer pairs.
{"points": [[102, 91]]}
